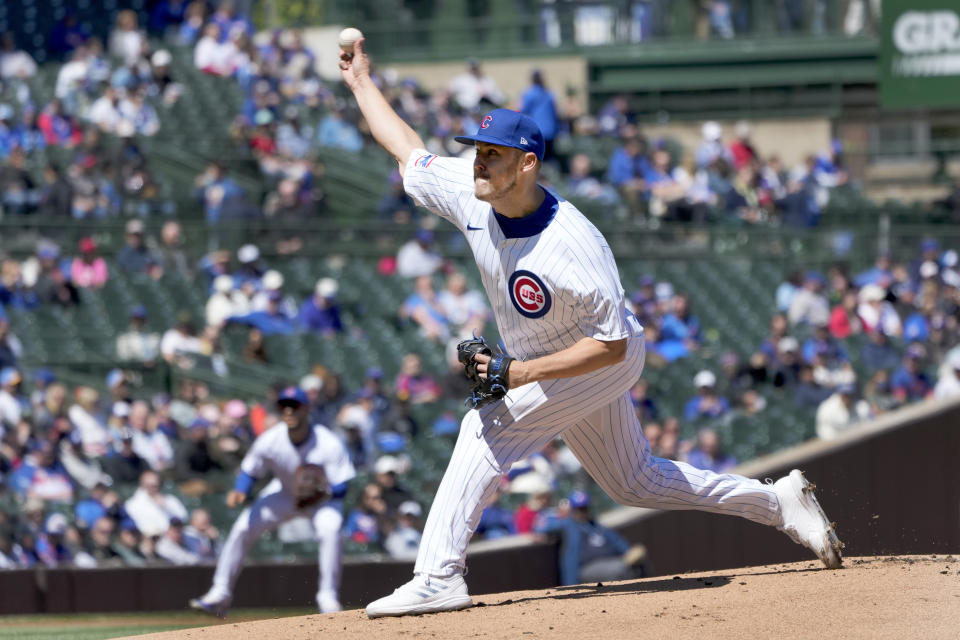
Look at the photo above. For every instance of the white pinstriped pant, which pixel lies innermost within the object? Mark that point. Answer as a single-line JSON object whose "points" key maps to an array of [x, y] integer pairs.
{"points": [[272, 507], [595, 416]]}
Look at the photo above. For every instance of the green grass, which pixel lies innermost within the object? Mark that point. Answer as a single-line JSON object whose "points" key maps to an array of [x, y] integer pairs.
{"points": [[89, 633], [99, 626]]}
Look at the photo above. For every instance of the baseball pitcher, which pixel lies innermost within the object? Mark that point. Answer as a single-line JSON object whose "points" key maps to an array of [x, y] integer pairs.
{"points": [[572, 353]]}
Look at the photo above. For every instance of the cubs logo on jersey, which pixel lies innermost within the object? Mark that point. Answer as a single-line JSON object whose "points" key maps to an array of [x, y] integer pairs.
{"points": [[528, 294]]}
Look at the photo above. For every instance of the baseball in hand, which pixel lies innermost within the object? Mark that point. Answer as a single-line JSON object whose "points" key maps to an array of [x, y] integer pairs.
{"points": [[349, 36]]}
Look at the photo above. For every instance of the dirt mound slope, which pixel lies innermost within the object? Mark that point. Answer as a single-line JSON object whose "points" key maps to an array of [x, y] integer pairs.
{"points": [[870, 597]]}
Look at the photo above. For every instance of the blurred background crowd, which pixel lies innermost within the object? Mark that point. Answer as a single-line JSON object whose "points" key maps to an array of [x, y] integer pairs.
{"points": [[287, 113], [109, 468]]}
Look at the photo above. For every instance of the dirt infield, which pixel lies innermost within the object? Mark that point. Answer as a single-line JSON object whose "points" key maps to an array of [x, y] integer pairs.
{"points": [[875, 597]]}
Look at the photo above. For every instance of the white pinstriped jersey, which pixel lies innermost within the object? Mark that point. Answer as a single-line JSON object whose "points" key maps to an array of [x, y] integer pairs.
{"points": [[273, 453], [550, 276]]}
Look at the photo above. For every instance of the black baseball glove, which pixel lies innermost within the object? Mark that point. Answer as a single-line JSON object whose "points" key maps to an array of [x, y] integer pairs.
{"points": [[484, 390], [312, 486]]}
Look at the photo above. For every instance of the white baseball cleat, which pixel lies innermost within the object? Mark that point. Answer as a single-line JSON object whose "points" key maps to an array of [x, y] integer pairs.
{"points": [[423, 594], [804, 520], [216, 608]]}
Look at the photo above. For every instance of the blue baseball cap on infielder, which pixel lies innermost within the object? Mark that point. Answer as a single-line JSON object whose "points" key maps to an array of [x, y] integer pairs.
{"points": [[509, 129], [292, 395]]}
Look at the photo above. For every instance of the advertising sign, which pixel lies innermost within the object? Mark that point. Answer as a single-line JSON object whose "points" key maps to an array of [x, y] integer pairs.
{"points": [[920, 53]]}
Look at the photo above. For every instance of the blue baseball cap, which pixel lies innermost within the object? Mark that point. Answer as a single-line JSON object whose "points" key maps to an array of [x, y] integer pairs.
{"points": [[291, 395], [138, 311], [200, 423], [128, 524], [9, 375], [508, 128], [46, 376], [579, 499]]}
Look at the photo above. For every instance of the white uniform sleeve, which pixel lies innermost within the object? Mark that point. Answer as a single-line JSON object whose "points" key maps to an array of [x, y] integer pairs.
{"points": [[604, 315], [442, 185], [253, 463], [337, 464]]}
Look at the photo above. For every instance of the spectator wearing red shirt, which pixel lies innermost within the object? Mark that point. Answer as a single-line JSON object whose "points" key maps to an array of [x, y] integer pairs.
{"points": [[525, 517], [56, 127], [742, 149], [844, 321]]}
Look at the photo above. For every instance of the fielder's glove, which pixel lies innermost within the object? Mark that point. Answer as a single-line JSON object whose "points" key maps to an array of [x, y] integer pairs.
{"points": [[312, 486], [484, 390]]}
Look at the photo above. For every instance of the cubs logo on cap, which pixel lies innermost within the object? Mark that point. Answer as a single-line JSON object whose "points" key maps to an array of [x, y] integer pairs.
{"points": [[292, 395], [528, 294], [508, 129]]}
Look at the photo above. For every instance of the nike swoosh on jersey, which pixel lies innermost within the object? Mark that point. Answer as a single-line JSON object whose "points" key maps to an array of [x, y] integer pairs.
{"points": [[469, 228]]}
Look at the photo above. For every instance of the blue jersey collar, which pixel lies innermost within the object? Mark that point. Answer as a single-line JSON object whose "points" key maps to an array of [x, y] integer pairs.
{"points": [[532, 224]]}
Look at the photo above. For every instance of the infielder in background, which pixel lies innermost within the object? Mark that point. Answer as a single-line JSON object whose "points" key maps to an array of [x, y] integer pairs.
{"points": [[574, 352], [310, 469]]}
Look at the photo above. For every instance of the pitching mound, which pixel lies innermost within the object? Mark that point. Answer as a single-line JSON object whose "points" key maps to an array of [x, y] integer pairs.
{"points": [[877, 597]]}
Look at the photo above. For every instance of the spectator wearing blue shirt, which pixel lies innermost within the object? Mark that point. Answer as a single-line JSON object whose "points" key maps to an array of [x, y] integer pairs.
{"points": [[251, 270], [878, 354], [364, 521], [929, 252], [66, 35], [27, 134], [229, 22], [707, 453], [43, 475], [916, 328], [880, 273], [271, 321], [496, 521], [336, 132], [101, 502], [707, 403], [293, 138], [219, 194], [320, 312], [539, 103], [823, 344], [711, 148], [787, 289], [589, 552], [680, 326], [51, 547], [135, 257], [423, 308], [643, 404], [614, 115], [626, 168], [215, 265], [828, 168], [166, 13], [909, 382]]}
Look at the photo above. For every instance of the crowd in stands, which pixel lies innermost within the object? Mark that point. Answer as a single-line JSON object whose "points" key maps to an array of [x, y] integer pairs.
{"points": [[289, 112], [639, 178], [847, 346], [70, 455], [116, 93]]}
